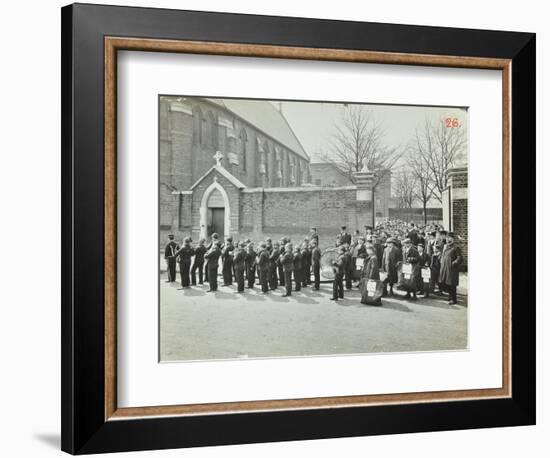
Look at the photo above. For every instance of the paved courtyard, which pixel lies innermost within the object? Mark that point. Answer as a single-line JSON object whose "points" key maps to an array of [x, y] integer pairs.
{"points": [[195, 324]]}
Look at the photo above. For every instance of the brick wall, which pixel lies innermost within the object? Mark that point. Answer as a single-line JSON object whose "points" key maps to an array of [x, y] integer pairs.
{"points": [[458, 182], [278, 212]]}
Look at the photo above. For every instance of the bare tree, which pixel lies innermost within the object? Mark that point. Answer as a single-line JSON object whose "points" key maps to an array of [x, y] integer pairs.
{"points": [[404, 189], [359, 141], [438, 147], [418, 166]]}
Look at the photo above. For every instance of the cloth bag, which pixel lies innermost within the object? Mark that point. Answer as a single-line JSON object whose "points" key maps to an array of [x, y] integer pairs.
{"points": [[371, 291], [408, 276]]}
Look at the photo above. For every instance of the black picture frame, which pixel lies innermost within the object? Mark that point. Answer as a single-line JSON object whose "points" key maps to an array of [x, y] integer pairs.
{"points": [[84, 428]]}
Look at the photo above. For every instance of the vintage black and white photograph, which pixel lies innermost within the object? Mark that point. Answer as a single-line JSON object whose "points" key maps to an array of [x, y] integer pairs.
{"points": [[307, 228]]}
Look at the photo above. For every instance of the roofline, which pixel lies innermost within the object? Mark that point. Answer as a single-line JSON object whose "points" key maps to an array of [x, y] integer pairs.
{"points": [[307, 158]]}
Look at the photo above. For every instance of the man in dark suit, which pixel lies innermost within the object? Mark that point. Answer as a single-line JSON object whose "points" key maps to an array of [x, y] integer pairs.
{"points": [[212, 257], [198, 263], [184, 255], [170, 257]]}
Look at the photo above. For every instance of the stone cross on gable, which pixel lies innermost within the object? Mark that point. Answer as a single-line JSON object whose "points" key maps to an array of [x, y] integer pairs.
{"points": [[218, 157]]}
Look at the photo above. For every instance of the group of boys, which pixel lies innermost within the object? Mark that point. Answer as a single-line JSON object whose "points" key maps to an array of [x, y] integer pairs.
{"points": [[273, 264], [382, 249]]}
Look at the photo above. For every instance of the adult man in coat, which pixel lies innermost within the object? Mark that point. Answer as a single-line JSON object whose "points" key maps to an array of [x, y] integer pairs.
{"points": [[184, 255], [212, 257], [170, 257], [451, 258], [287, 261], [410, 256], [390, 258]]}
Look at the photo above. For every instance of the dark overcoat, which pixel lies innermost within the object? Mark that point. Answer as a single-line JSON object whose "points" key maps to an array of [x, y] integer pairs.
{"points": [[451, 257], [370, 269], [390, 258]]}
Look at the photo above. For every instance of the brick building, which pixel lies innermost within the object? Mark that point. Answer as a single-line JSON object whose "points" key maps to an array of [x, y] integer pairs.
{"points": [[455, 207], [235, 167]]}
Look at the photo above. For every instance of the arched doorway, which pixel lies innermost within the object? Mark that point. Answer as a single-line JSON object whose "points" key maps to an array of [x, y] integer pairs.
{"points": [[215, 211]]}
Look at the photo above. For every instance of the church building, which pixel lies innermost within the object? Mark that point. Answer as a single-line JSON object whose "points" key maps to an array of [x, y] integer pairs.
{"points": [[236, 167]]}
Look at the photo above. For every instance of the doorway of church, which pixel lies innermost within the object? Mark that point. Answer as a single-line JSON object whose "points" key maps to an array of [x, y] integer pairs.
{"points": [[217, 218]]}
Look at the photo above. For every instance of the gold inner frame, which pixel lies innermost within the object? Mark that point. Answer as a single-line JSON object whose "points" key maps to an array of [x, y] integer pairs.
{"points": [[114, 44]]}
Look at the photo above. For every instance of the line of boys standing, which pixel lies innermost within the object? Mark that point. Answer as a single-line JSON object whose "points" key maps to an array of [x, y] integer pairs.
{"points": [[274, 264]]}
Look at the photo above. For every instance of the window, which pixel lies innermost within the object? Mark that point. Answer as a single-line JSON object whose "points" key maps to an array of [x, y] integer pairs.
{"points": [[318, 181], [197, 125], [211, 130], [243, 139]]}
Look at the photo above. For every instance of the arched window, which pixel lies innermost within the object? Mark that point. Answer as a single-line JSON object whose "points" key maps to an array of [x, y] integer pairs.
{"points": [[242, 149], [197, 125], [211, 130], [266, 162]]}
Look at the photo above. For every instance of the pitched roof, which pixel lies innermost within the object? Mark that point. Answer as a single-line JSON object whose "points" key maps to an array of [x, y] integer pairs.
{"points": [[263, 115], [234, 180]]}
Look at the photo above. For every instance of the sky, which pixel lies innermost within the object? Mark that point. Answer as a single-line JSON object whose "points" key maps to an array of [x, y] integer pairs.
{"points": [[314, 122]]}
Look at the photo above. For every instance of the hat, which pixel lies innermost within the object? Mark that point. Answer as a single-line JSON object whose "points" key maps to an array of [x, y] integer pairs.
{"points": [[170, 236], [420, 245], [343, 227], [242, 245], [229, 239], [407, 241], [188, 239], [313, 228], [391, 240]]}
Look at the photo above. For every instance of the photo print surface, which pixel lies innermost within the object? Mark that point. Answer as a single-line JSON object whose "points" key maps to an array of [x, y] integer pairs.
{"points": [[308, 228]]}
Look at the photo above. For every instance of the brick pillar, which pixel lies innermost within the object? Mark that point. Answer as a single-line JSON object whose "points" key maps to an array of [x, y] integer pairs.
{"points": [[458, 185], [364, 182]]}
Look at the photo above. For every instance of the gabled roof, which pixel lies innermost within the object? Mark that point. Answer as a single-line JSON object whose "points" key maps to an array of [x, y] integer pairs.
{"points": [[222, 171], [263, 115]]}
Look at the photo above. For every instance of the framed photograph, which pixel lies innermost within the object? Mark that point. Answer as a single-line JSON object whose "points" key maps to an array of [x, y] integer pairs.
{"points": [[283, 228]]}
